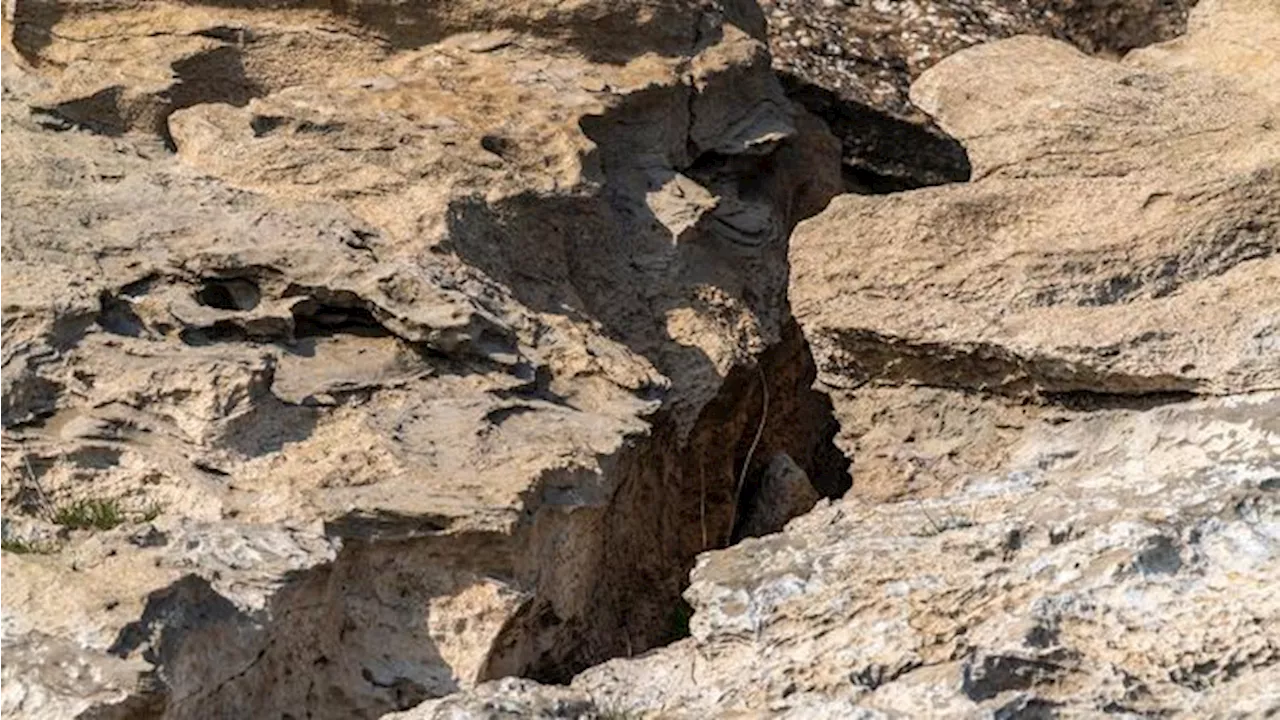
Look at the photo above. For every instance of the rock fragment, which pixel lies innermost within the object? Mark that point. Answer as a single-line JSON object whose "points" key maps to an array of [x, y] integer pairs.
{"points": [[852, 63]]}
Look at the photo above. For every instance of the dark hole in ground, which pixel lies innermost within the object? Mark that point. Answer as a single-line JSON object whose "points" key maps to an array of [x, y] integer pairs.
{"points": [[219, 332], [229, 294], [313, 318]]}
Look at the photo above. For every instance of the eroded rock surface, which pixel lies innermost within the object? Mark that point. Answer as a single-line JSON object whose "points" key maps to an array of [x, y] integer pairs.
{"points": [[852, 63], [353, 357], [1060, 392], [1120, 561], [1117, 245]]}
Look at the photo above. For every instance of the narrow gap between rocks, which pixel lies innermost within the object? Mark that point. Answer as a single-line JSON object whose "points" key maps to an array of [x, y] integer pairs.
{"points": [[575, 588], [675, 502], [881, 153]]}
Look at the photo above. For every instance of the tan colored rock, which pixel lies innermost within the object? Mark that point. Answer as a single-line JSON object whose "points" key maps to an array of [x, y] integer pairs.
{"points": [[1119, 236], [399, 338], [871, 52], [1065, 486], [851, 63]]}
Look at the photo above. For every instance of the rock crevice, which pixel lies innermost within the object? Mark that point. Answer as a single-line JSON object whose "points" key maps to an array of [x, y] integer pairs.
{"points": [[1055, 387], [391, 356]]}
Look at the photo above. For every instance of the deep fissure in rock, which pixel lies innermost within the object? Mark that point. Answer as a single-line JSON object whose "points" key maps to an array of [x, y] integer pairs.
{"points": [[353, 637], [882, 153], [673, 502], [358, 628]]}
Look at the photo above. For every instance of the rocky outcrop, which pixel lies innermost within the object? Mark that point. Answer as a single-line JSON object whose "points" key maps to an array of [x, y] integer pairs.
{"points": [[1058, 387], [1114, 247], [852, 63], [353, 357], [1121, 562]]}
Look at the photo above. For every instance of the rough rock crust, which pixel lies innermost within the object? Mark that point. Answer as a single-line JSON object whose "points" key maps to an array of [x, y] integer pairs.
{"points": [[1059, 388], [851, 62], [353, 356], [871, 50]]}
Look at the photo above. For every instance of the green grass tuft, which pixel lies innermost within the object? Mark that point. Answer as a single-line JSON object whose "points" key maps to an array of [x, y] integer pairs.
{"points": [[90, 514]]}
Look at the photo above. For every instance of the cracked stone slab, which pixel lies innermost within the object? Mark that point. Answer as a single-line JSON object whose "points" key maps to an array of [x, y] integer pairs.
{"points": [[1119, 235], [386, 344], [1057, 390]]}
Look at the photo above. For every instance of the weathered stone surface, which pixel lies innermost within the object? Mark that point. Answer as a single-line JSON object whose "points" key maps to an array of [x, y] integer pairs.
{"points": [[509, 698], [1079, 237], [852, 63], [1119, 240], [415, 356], [1058, 389], [411, 356], [1123, 561], [872, 51]]}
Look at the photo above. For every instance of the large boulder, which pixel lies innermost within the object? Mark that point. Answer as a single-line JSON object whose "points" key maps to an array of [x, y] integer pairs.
{"points": [[354, 356], [1057, 386], [1117, 245], [1119, 561], [852, 63], [1077, 352]]}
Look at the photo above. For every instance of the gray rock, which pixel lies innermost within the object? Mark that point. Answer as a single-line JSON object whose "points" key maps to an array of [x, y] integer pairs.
{"points": [[783, 492]]}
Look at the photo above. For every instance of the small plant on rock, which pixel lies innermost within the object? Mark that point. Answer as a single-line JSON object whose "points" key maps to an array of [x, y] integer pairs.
{"points": [[90, 514], [151, 512]]}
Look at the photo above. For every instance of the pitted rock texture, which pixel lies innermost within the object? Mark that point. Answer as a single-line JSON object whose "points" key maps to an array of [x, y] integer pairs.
{"points": [[1121, 562], [378, 355], [509, 698], [1118, 243], [851, 62], [1058, 389]]}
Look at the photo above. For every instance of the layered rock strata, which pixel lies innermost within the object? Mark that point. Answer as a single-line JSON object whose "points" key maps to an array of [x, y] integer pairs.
{"points": [[353, 356], [1059, 388]]}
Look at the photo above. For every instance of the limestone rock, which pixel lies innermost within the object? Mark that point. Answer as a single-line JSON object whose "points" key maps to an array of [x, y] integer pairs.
{"points": [[1122, 562], [1058, 389], [354, 356], [872, 51], [1119, 236], [507, 699], [852, 63], [1117, 246]]}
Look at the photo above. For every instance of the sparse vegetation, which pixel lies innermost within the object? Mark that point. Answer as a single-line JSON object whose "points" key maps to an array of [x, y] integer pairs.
{"points": [[90, 514], [26, 547], [151, 512]]}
